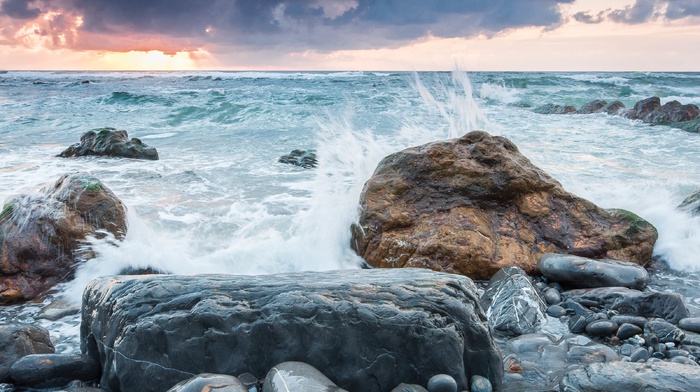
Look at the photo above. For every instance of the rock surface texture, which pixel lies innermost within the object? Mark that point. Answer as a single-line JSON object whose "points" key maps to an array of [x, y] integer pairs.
{"points": [[110, 142], [366, 330], [17, 341], [40, 233], [582, 272], [627, 376], [474, 205]]}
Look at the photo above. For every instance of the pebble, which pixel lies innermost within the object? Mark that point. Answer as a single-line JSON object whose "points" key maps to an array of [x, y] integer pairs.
{"points": [[480, 384], [601, 328], [691, 324], [661, 348], [636, 320], [677, 353], [658, 355], [577, 324], [442, 383], [640, 354], [552, 296], [628, 330], [684, 360], [556, 311], [626, 349]]}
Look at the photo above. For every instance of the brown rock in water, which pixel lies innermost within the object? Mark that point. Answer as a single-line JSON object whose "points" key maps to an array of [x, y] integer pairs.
{"points": [[671, 112], [110, 142], [474, 205], [643, 108], [40, 233]]}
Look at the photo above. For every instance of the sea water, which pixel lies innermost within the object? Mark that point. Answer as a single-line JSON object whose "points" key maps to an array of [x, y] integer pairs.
{"points": [[218, 201]]}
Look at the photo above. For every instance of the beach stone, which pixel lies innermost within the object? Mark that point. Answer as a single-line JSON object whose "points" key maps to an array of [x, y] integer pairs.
{"points": [[475, 204], [591, 353], [250, 381], [601, 328], [671, 112], [208, 382], [112, 143], [634, 320], [639, 354], [305, 159], [626, 349], [630, 376], [53, 370], [554, 109], [667, 306], [628, 330], [556, 311], [691, 324], [297, 376], [664, 331], [58, 309], [551, 296], [409, 388], [614, 108], [41, 233], [442, 383], [404, 325], [594, 106], [577, 324], [643, 108], [582, 272], [20, 340], [480, 384], [684, 360], [513, 305]]}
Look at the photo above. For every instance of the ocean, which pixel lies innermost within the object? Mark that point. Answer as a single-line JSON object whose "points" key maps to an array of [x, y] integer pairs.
{"points": [[218, 201]]}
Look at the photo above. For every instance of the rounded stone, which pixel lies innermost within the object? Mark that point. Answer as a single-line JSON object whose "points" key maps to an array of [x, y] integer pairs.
{"points": [[480, 384], [577, 324], [556, 311], [636, 320], [628, 330], [601, 328], [678, 353], [684, 360], [691, 324], [640, 354], [210, 382], [442, 383], [552, 296], [626, 349]]}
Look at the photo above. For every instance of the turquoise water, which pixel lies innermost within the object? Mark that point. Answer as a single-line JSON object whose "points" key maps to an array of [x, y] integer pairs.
{"points": [[218, 201]]}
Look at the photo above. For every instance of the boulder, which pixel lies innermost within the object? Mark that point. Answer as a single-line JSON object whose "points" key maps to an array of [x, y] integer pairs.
{"points": [[664, 331], [40, 233], [17, 341], [554, 109], [643, 108], [691, 204], [409, 388], [614, 108], [691, 324], [53, 370], [582, 272], [474, 205], [513, 305], [672, 112], [112, 143], [667, 306], [594, 106], [305, 159], [688, 126], [366, 330], [297, 376], [630, 376], [208, 382]]}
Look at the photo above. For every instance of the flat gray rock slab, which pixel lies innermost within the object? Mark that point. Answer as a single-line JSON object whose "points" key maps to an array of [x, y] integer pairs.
{"points": [[629, 376], [366, 330]]}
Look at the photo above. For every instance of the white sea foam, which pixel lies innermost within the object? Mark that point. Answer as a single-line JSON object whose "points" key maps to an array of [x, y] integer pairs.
{"points": [[500, 93]]}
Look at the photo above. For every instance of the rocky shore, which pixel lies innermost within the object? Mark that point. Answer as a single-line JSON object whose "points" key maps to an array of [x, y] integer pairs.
{"points": [[488, 276]]}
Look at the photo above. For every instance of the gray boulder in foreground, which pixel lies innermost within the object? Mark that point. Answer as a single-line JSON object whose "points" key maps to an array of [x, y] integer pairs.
{"points": [[366, 330], [582, 272], [297, 376], [630, 376]]}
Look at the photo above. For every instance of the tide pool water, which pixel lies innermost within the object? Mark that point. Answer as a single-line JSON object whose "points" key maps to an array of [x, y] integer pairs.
{"points": [[218, 201]]}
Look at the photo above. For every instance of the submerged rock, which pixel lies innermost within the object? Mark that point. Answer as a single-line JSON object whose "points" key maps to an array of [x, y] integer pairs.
{"points": [[643, 108], [17, 341], [110, 142], [594, 106], [614, 108], [367, 330], [40, 233], [629, 376], [672, 112], [554, 109], [513, 305], [581, 272], [474, 205], [305, 159], [691, 204]]}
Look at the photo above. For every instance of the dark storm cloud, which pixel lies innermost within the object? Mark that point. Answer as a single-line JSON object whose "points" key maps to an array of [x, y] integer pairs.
{"points": [[682, 8], [645, 10], [586, 17], [19, 9]]}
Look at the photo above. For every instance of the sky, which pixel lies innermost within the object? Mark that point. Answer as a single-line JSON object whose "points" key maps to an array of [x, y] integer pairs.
{"points": [[398, 35]]}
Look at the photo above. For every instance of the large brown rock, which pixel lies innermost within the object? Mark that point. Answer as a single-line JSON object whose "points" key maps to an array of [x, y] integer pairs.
{"points": [[40, 233], [474, 205]]}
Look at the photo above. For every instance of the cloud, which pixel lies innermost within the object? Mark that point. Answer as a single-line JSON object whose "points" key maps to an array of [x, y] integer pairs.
{"points": [[586, 17], [19, 9], [643, 11]]}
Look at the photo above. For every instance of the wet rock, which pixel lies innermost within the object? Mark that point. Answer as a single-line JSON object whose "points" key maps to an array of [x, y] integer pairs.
{"points": [[626, 349], [17, 341], [634, 320], [672, 111], [552, 296], [297, 376], [581, 272], [442, 383], [250, 381], [629, 376], [513, 305], [577, 324], [554, 109], [40, 233], [305, 159], [614, 108], [404, 324], [409, 388], [208, 382], [665, 331], [639, 354], [556, 311], [58, 309], [601, 328], [692, 204], [112, 143], [480, 384], [474, 205], [691, 324], [591, 353], [643, 108], [628, 330], [53, 370], [691, 338], [594, 106], [667, 306], [688, 126]]}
